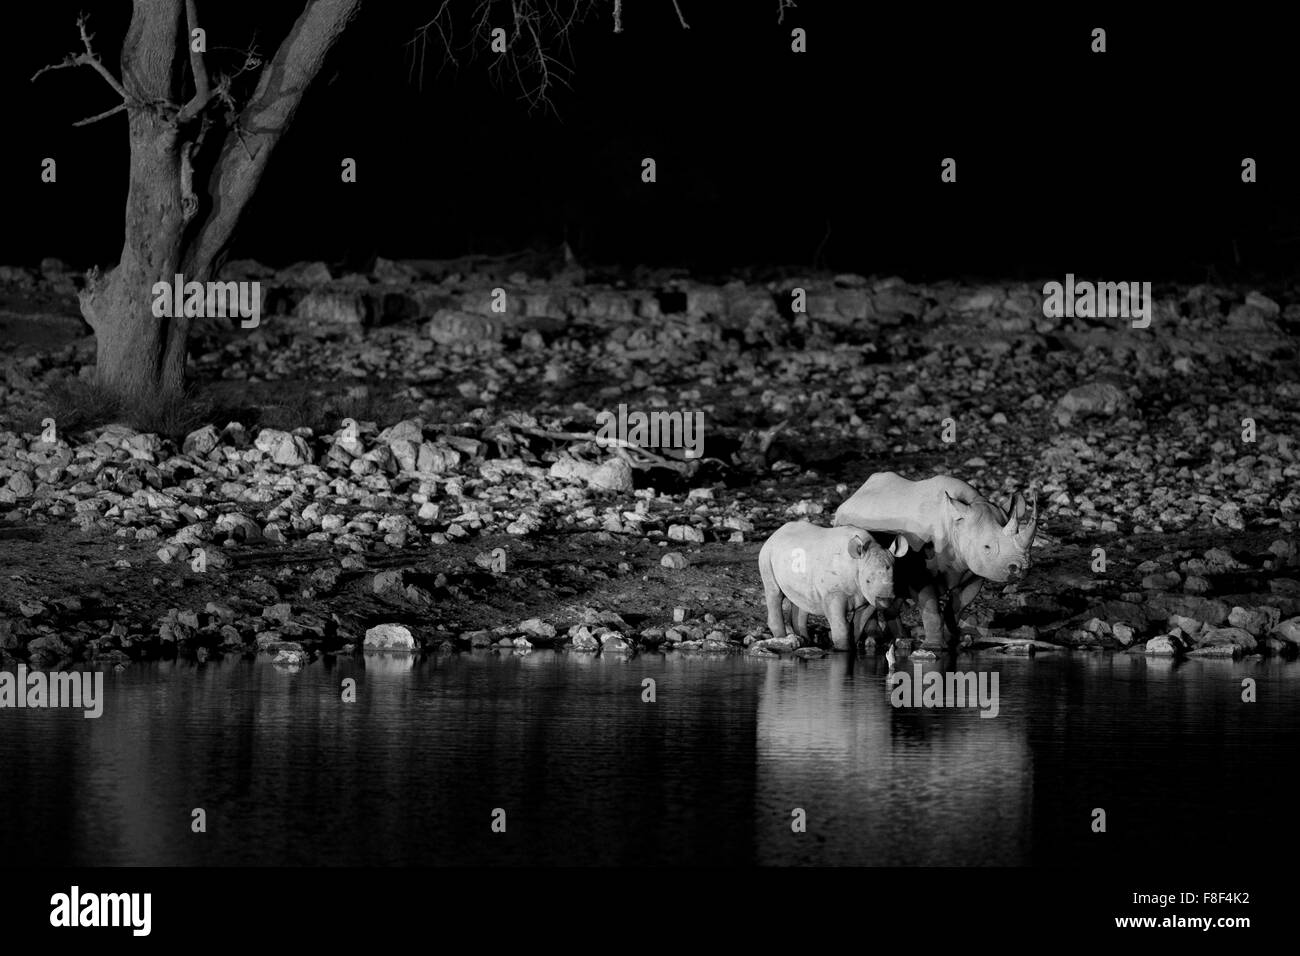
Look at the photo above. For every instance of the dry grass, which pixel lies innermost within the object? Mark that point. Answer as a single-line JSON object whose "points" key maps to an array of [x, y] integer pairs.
{"points": [[77, 405]]}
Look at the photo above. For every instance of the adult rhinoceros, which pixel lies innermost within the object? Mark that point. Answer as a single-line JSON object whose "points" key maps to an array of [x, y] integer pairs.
{"points": [[961, 537]]}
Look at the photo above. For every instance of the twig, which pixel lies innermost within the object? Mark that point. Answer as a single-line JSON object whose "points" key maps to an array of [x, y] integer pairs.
{"points": [[104, 115], [618, 16], [781, 7], [680, 19], [87, 59]]}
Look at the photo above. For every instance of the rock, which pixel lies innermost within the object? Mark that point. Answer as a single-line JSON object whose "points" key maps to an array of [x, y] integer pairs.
{"points": [[675, 560], [53, 268], [1211, 636], [614, 475], [451, 327], [1206, 610], [1221, 560], [810, 653], [334, 311], [386, 581], [785, 644], [239, 526], [1123, 633], [290, 657], [537, 628], [389, 637], [304, 274], [1216, 650], [584, 641], [49, 647], [979, 301], [199, 443], [1282, 548], [436, 458], [1245, 316], [20, 484], [1162, 581], [241, 270], [1288, 630], [1164, 646], [614, 643], [1256, 621], [283, 448], [1229, 515], [685, 532], [278, 612], [1096, 398], [1266, 306]]}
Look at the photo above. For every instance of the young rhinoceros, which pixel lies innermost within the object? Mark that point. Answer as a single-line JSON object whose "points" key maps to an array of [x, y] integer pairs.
{"points": [[964, 538], [828, 571]]}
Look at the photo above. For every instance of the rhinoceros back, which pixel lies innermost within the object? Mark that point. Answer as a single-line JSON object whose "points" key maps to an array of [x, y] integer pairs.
{"points": [[889, 502]]}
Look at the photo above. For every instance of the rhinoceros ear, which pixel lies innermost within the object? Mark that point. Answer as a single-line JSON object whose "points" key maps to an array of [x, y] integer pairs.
{"points": [[899, 547], [1019, 508], [956, 509], [856, 547]]}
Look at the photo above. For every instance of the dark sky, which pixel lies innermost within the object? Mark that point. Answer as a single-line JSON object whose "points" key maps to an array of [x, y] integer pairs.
{"points": [[1124, 165]]}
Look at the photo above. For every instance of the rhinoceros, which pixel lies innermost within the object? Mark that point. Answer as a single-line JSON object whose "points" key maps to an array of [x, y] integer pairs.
{"points": [[961, 537], [828, 571]]}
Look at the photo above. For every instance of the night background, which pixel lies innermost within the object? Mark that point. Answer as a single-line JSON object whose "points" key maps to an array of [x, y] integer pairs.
{"points": [[1124, 164], [392, 476]]}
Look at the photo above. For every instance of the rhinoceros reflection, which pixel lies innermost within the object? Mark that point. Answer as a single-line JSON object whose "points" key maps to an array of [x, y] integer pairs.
{"points": [[883, 785]]}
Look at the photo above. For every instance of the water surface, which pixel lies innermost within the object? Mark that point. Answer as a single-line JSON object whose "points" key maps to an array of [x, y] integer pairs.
{"points": [[710, 773]]}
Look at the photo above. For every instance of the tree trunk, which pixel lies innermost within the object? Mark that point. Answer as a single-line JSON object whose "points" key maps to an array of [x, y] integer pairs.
{"points": [[169, 228], [136, 357]]}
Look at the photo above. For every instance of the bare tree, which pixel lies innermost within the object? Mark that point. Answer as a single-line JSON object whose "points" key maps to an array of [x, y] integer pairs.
{"points": [[180, 217], [185, 200]]}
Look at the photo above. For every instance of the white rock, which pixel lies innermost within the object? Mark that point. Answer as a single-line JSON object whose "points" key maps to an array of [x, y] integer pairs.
{"points": [[389, 637]]}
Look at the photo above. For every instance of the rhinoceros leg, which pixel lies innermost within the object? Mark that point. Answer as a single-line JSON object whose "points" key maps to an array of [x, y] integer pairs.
{"points": [[775, 613], [959, 599], [861, 617], [838, 615], [799, 621], [928, 599]]}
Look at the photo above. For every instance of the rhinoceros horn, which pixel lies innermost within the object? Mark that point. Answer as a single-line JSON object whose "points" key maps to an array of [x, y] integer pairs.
{"points": [[1026, 537], [1015, 512]]}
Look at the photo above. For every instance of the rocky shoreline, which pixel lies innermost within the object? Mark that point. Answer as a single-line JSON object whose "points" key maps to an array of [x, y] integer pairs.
{"points": [[483, 515]]}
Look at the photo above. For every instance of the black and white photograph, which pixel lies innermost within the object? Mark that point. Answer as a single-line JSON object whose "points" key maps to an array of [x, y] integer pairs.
{"points": [[780, 458]]}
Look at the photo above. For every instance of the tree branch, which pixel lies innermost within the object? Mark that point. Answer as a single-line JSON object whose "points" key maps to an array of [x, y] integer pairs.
{"points": [[680, 19], [87, 59], [618, 16], [202, 89], [781, 7], [99, 116], [263, 121]]}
